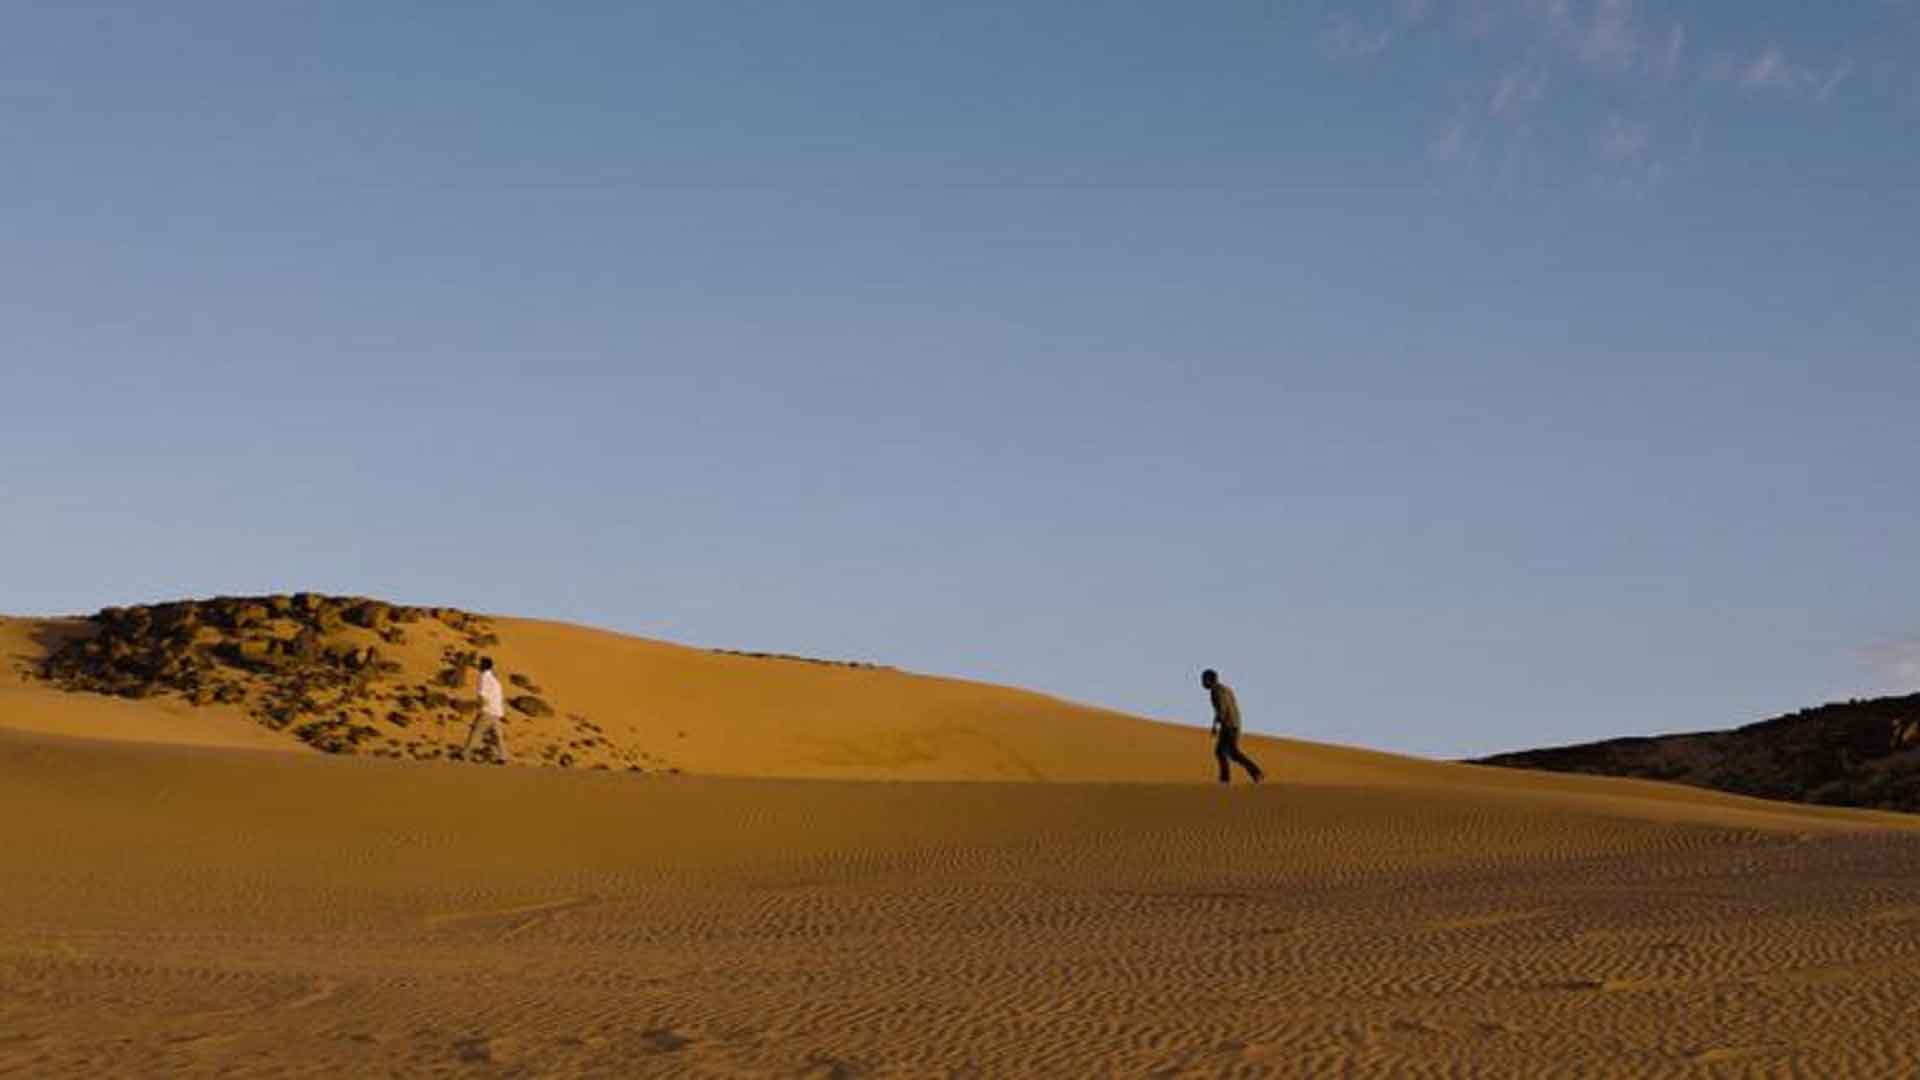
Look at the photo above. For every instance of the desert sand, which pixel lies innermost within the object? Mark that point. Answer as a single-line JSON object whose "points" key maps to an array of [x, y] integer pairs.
{"points": [[866, 872]]}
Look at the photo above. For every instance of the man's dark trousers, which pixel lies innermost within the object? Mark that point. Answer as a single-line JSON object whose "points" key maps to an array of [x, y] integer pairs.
{"points": [[1226, 747]]}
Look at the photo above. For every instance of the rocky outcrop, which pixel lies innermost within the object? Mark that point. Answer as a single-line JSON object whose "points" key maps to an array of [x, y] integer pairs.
{"points": [[342, 674], [1855, 753]]}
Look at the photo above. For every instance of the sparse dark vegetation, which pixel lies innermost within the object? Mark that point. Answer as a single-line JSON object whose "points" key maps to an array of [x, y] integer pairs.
{"points": [[861, 665], [530, 705], [1854, 753]]}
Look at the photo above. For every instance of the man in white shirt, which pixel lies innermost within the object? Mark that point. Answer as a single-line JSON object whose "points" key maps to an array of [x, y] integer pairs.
{"points": [[493, 707]]}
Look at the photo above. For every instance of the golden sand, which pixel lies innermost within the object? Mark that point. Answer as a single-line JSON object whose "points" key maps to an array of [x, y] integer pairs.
{"points": [[174, 898]]}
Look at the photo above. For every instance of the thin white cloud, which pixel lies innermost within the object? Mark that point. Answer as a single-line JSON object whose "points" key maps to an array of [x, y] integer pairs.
{"points": [[1600, 34], [1897, 663], [1610, 38], [1346, 39], [1623, 141], [1518, 90], [1625, 74], [1770, 71], [1452, 144], [1833, 81], [1676, 48]]}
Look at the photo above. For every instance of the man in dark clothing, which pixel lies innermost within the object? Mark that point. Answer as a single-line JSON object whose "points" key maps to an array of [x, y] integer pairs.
{"points": [[1226, 727]]}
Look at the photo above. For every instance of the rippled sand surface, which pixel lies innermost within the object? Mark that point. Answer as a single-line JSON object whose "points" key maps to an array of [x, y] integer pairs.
{"points": [[191, 910]]}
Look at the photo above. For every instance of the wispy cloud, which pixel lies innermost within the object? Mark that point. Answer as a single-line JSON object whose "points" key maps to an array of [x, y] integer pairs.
{"points": [[1897, 664], [1623, 141], [1623, 77], [1453, 143], [1518, 90], [1833, 81], [1349, 38], [1346, 39], [1609, 38], [1771, 70], [1674, 52]]}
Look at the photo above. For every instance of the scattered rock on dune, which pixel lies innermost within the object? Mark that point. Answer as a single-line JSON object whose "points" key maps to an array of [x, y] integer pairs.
{"points": [[313, 665], [368, 614], [860, 665]]}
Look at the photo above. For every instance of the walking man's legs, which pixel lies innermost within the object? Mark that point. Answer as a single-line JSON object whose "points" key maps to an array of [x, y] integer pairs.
{"points": [[1226, 749], [486, 725]]}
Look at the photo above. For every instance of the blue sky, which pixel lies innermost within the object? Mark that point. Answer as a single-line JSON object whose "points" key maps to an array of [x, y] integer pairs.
{"points": [[1454, 375]]}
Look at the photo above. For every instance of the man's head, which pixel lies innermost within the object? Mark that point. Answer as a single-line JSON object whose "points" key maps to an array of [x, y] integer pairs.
{"points": [[1209, 678], [486, 663]]}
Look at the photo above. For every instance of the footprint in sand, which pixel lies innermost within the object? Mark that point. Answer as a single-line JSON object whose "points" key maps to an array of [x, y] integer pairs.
{"points": [[663, 1041], [476, 1050]]}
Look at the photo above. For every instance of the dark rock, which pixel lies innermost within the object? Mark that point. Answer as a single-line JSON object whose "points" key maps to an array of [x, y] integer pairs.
{"points": [[367, 614], [1857, 753], [248, 616], [306, 645], [320, 683]]}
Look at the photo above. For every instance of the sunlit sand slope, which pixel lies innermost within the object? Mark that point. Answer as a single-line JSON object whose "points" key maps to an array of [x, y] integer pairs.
{"points": [[581, 698], [178, 909], [586, 698]]}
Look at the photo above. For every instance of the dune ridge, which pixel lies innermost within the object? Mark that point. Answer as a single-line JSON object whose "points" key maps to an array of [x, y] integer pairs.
{"points": [[350, 675]]}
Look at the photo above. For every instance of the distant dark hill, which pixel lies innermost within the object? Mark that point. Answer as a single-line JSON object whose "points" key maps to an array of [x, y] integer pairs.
{"points": [[1857, 753]]}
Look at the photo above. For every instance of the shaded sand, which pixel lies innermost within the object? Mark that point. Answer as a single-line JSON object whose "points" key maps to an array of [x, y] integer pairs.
{"points": [[195, 910]]}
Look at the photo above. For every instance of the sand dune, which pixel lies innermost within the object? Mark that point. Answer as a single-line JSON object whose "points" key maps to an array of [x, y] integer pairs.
{"points": [[659, 706], [626, 702], [204, 909], [187, 909]]}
